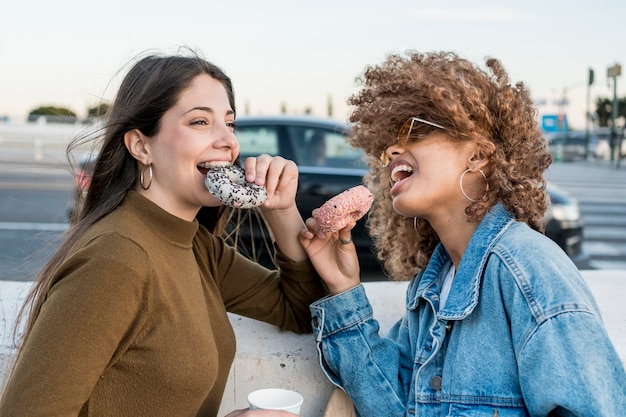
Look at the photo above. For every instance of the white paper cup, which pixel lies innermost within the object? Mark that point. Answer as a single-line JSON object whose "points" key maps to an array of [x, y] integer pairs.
{"points": [[275, 399]]}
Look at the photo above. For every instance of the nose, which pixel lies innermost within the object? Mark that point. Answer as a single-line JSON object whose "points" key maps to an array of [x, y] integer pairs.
{"points": [[391, 153], [227, 138]]}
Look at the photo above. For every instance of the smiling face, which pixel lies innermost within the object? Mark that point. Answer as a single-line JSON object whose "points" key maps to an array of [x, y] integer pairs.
{"points": [[196, 132], [425, 176]]}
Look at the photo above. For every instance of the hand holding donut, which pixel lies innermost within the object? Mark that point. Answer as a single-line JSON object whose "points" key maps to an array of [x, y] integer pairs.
{"points": [[343, 209], [327, 239], [228, 183], [265, 180], [278, 175]]}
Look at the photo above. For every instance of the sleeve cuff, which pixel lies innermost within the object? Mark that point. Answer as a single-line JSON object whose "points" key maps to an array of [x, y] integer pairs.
{"points": [[334, 313], [302, 271]]}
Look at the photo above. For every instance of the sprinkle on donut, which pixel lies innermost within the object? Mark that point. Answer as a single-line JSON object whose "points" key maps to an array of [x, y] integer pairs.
{"points": [[228, 183], [343, 209]]}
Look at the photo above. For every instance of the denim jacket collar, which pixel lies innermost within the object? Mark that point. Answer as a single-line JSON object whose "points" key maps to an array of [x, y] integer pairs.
{"points": [[464, 293]]}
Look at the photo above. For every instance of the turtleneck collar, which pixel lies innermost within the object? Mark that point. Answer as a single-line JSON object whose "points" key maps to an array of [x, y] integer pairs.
{"points": [[160, 221]]}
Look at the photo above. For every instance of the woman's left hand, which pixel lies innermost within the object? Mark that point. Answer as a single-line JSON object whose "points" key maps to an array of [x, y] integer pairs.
{"points": [[333, 255], [278, 175]]}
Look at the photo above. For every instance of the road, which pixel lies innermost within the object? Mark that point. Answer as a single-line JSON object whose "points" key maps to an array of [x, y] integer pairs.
{"points": [[33, 200], [600, 189], [34, 196]]}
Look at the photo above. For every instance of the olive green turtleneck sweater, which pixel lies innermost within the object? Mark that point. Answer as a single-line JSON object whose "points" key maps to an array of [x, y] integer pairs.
{"points": [[136, 323]]}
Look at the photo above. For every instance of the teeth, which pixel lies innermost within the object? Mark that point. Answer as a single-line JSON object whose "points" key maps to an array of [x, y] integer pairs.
{"points": [[209, 165], [398, 169]]}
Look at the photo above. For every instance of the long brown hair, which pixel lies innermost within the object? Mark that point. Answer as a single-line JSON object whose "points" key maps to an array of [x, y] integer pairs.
{"points": [[151, 87]]}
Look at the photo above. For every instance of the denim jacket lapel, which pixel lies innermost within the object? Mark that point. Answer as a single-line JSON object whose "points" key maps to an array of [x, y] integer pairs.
{"points": [[465, 289]]}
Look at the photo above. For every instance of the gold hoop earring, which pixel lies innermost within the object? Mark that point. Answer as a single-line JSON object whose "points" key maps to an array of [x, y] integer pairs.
{"points": [[145, 187], [463, 191]]}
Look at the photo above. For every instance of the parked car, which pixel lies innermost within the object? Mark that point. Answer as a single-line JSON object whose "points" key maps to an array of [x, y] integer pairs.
{"points": [[82, 178], [328, 166], [570, 146]]}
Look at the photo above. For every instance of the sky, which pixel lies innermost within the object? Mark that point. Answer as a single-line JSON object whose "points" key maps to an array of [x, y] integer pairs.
{"points": [[72, 53]]}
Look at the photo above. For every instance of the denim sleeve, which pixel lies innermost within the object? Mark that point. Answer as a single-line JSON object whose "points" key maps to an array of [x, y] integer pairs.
{"points": [[570, 364], [373, 370]]}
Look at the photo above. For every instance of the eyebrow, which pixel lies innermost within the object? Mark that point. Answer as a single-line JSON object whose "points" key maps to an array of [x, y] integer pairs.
{"points": [[206, 109]]}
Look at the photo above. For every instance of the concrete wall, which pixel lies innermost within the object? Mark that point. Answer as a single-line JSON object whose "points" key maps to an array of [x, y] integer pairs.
{"points": [[42, 141], [269, 358]]}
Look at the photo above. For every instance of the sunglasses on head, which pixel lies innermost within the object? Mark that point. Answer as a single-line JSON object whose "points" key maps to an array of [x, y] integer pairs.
{"points": [[405, 133]]}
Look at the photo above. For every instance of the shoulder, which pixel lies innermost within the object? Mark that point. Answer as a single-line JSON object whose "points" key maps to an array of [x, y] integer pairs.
{"points": [[106, 261], [111, 245], [526, 251], [531, 265]]}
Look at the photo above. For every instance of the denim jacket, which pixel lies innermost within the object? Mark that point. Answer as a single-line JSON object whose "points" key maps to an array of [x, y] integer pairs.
{"points": [[519, 335]]}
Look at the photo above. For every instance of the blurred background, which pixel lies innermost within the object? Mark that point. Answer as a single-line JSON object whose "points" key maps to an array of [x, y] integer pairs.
{"points": [[302, 57], [62, 62]]}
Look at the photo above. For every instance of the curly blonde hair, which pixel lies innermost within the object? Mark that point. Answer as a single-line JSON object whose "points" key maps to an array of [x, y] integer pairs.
{"points": [[474, 104]]}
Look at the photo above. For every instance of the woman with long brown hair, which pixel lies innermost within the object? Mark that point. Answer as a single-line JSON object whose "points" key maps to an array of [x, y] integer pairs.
{"points": [[129, 317]]}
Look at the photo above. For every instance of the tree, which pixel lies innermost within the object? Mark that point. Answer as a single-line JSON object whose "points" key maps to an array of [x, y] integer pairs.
{"points": [[604, 108], [53, 114], [98, 111]]}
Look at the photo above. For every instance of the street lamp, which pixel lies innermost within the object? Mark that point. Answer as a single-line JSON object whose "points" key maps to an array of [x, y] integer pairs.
{"points": [[613, 72], [587, 119]]}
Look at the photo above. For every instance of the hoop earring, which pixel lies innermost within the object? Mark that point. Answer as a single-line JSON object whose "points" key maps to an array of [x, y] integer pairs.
{"points": [[463, 191], [145, 187], [416, 229]]}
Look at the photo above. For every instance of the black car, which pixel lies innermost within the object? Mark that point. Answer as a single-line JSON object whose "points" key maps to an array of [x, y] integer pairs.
{"points": [[327, 166]]}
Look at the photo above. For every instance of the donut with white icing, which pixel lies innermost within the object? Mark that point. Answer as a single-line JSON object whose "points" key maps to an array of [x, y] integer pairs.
{"points": [[228, 183], [343, 209]]}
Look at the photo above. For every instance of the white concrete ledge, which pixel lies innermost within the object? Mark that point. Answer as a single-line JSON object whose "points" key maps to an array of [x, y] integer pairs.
{"points": [[269, 358]]}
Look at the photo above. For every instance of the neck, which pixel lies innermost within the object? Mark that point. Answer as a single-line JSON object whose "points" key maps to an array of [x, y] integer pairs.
{"points": [[455, 234]]}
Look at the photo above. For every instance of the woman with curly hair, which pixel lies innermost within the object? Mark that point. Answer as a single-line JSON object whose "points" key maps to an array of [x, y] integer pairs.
{"points": [[498, 321]]}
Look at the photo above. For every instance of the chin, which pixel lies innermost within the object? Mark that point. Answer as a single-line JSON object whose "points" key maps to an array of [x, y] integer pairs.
{"points": [[398, 208], [408, 211], [205, 199], [211, 203]]}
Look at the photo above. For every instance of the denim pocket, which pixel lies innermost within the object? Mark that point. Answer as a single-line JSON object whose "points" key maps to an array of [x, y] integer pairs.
{"points": [[467, 410]]}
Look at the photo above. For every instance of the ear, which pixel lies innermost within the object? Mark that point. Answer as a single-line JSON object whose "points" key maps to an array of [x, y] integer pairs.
{"points": [[477, 161], [137, 145]]}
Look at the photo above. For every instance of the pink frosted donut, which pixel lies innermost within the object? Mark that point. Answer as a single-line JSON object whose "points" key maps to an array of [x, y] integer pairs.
{"points": [[343, 209]]}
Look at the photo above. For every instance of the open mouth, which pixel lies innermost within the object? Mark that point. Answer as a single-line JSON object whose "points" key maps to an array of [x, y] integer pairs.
{"points": [[204, 167], [401, 172]]}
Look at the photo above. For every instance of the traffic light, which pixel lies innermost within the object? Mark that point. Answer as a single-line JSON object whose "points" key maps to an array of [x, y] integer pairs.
{"points": [[590, 76], [561, 123]]}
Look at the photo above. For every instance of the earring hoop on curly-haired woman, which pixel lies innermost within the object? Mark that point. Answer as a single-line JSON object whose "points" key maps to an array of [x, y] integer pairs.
{"points": [[417, 230], [463, 191]]}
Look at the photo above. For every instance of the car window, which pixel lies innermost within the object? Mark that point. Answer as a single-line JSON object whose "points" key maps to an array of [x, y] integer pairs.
{"points": [[576, 140], [256, 140], [555, 140], [323, 147]]}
